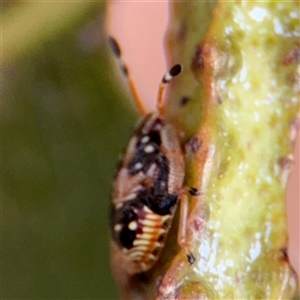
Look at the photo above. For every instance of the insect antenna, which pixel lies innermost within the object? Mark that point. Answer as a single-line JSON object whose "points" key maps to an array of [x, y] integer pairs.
{"points": [[174, 71], [117, 52]]}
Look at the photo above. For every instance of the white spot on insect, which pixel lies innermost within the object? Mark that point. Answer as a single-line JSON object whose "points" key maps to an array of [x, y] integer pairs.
{"points": [[151, 170], [118, 227], [147, 210], [148, 223], [161, 231], [137, 188], [145, 139], [166, 218], [136, 254], [149, 149], [144, 236], [153, 217], [133, 225], [162, 184], [137, 166], [158, 127], [130, 197], [144, 266], [141, 248], [149, 230], [141, 242], [119, 205]]}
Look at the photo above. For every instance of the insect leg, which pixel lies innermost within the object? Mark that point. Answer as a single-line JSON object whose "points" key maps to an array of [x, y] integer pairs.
{"points": [[117, 52], [182, 231]]}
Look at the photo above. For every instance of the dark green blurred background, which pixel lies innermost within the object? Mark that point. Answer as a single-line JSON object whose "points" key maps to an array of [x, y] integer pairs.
{"points": [[64, 122]]}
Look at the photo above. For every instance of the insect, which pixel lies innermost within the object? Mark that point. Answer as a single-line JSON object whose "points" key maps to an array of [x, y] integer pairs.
{"points": [[148, 185]]}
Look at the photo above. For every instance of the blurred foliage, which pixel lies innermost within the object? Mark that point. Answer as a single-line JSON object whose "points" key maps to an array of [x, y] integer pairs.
{"points": [[63, 125]]}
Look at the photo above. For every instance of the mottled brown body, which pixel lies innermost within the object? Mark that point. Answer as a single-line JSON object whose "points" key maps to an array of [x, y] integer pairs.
{"points": [[146, 192]]}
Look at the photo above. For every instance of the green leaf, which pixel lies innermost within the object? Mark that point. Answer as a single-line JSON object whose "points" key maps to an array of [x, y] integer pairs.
{"points": [[64, 123]]}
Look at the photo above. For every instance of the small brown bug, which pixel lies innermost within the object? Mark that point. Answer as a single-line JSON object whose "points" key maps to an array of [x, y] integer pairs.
{"points": [[148, 186]]}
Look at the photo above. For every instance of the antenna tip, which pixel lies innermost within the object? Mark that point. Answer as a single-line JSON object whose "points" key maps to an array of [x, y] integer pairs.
{"points": [[174, 71]]}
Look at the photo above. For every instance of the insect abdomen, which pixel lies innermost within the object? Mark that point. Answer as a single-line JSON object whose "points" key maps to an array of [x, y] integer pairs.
{"points": [[141, 236]]}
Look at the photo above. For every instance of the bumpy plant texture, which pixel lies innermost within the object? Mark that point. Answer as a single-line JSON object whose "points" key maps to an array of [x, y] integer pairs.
{"points": [[241, 88]]}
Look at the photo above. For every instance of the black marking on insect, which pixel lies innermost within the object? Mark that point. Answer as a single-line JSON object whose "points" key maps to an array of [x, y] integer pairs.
{"points": [[147, 187]]}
